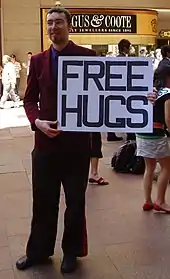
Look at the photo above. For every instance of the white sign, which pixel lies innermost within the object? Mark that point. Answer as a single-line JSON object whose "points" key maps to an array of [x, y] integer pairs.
{"points": [[105, 94]]}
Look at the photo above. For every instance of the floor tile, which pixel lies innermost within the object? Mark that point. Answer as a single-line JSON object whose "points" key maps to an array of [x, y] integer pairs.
{"points": [[7, 274], [13, 182], [18, 226], [5, 259], [16, 205]]}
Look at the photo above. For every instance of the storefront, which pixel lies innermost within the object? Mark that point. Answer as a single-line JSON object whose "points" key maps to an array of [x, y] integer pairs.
{"points": [[102, 29], [164, 38]]}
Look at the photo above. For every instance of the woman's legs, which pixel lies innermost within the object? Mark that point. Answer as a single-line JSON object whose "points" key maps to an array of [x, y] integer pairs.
{"points": [[96, 154], [162, 183], [150, 165], [94, 174]]}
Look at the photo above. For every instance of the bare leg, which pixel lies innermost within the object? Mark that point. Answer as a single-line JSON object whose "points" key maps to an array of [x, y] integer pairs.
{"points": [[162, 183], [150, 165], [94, 175], [94, 168]]}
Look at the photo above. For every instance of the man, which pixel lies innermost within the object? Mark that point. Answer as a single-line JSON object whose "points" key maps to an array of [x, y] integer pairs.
{"points": [[165, 51], [18, 70], [124, 48], [9, 82], [27, 65], [58, 157]]}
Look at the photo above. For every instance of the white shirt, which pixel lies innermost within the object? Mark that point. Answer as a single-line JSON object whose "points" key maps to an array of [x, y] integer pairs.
{"points": [[17, 68], [9, 75]]}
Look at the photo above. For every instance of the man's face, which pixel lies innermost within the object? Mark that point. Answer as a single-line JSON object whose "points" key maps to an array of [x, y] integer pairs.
{"points": [[57, 27], [13, 60], [168, 54], [29, 56], [127, 49]]}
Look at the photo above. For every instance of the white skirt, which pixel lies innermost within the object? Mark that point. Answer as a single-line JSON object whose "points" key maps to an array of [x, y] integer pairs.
{"points": [[153, 148]]}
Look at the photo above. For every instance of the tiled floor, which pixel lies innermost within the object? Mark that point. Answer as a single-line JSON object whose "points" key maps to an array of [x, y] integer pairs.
{"points": [[124, 242]]}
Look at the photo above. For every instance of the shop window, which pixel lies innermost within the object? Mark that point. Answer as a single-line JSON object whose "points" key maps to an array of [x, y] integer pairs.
{"points": [[101, 50], [162, 42]]}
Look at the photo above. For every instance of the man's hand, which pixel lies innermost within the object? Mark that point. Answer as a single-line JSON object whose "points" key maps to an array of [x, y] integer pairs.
{"points": [[46, 127], [152, 96]]}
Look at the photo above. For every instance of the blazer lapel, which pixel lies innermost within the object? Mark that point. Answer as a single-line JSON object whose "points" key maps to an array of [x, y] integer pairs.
{"points": [[47, 73]]}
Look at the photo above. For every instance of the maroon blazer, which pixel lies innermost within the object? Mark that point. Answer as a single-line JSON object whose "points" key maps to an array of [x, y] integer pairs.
{"points": [[41, 89]]}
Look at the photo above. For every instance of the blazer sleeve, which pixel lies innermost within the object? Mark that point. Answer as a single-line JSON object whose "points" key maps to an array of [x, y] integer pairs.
{"points": [[31, 98]]}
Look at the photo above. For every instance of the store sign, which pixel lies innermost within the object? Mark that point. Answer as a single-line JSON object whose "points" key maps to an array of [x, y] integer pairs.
{"points": [[105, 94], [164, 34], [99, 23]]}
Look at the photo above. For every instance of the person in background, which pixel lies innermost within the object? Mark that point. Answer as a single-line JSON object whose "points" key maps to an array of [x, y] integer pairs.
{"points": [[143, 52], [9, 82], [1, 86], [124, 47], [154, 146], [18, 70], [158, 58], [165, 51], [96, 155], [27, 65]]}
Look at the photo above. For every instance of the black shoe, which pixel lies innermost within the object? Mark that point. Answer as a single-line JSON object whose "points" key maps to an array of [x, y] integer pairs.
{"points": [[25, 263], [69, 264]]}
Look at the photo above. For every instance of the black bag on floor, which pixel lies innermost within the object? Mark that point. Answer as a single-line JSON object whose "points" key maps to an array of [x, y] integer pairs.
{"points": [[137, 165], [126, 161]]}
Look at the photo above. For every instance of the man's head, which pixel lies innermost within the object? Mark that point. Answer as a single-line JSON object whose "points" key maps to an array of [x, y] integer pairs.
{"points": [[162, 77], [165, 51], [58, 25], [13, 58], [29, 54], [124, 46], [6, 59]]}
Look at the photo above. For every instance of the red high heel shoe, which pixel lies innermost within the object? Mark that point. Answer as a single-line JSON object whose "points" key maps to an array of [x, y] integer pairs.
{"points": [[157, 207], [147, 206]]}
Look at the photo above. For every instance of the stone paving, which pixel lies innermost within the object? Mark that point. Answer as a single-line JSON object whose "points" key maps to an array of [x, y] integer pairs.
{"points": [[124, 242]]}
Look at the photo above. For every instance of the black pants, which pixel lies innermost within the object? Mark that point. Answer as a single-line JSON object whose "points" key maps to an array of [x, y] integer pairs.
{"points": [[48, 172], [96, 145]]}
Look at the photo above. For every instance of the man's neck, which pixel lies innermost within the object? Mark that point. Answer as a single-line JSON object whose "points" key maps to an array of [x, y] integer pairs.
{"points": [[61, 46]]}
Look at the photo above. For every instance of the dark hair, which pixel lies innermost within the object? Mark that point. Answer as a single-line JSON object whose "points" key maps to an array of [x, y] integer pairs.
{"points": [[165, 50], [29, 53], [160, 76], [122, 44], [13, 56], [61, 10]]}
